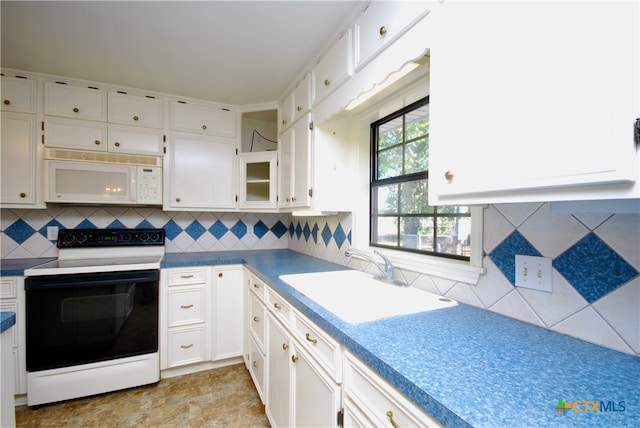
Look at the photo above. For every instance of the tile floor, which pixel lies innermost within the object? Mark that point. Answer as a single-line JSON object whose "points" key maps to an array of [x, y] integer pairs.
{"points": [[223, 397]]}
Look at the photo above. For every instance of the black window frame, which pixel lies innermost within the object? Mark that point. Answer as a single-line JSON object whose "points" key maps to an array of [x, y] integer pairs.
{"points": [[374, 183]]}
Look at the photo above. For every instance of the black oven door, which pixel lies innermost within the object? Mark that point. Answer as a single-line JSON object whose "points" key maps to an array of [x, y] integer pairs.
{"points": [[90, 317]]}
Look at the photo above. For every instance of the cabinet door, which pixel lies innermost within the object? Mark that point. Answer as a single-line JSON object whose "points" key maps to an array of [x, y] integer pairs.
{"points": [[334, 68], [258, 180], [316, 397], [539, 95], [202, 119], [279, 379], [201, 172], [302, 98], [134, 140], [286, 112], [285, 169], [138, 110], [18, 94], [382, 22], [75, 134], [18, 159], [302, 163], [228, 303], [78, 102]]}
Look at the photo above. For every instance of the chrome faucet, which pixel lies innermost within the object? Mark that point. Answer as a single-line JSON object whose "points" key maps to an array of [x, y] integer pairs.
{"points": [[386, 271]]}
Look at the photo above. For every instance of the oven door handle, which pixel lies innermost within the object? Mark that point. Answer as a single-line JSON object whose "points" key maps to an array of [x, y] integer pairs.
{"points": [[50, 282]]}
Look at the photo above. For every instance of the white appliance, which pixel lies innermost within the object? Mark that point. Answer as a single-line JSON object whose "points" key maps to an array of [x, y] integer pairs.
{"points": [[102, 179], [92, 315]]}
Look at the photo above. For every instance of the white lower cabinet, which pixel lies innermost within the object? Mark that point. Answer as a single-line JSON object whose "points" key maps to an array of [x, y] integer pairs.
{"points": [[201, 316], [372, 401], [12, 300], [255, 332]]}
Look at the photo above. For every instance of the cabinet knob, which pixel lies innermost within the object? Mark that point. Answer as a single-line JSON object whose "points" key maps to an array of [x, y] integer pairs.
{"points": [[255, 364], [6, 102], [285, 346], [220, 275], [383, 30], [135, 118], [284, 122], [76, 109], [394, 424], [23, 195], [448, 175], [277, 306], [97, 142], [256, 319], [256, 285], [326, 82], [294, 358], [177, 199], [293, 199], [299, 108], [288, 199], [117, 144], [204, 127]]}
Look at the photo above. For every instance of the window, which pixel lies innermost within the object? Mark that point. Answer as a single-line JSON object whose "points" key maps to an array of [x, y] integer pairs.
{"points": [[401, 217]]}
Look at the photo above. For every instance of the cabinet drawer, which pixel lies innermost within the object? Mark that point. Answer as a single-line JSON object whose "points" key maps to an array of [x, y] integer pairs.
{"points": [[320, 345], [301, 98], [136, 110], [78, 102], [334, 68], [129, 139], [18, 94], [187, 305], [12, 306], [378, 399], [75, 134], [279, 307], [257, 321], [380, 24], [202, 119], [186, 346], [8, 288], [257, 287], [257, 368], [187, 276]]}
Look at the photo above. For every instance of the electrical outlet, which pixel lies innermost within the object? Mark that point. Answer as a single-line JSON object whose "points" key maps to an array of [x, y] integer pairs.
{"points": [[534, 273], [52, 233]]}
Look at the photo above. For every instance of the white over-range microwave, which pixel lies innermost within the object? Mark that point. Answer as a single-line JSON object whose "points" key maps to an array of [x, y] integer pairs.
{"points": [[89, 182]]}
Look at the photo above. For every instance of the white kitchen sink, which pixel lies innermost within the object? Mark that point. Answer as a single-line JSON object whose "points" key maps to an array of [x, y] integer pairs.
{"points": [[357, 297]]}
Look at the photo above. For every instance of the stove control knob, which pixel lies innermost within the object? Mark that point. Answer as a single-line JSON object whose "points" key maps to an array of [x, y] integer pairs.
{"points": [[68, 238], [81, 238], [144, 237], [155, 237], [126, 237]]}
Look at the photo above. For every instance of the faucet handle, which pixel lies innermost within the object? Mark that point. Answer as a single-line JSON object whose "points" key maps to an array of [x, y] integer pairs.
{"points": [[388, 266]]}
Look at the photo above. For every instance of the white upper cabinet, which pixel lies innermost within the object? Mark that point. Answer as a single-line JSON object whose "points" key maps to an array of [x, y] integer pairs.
{"points": [[134, 140], [138, 110], [202, 119], [18, 94], [534, 101], [286, 112], [381, 23], [302, 98], [18, 160], [334, 67], [74, 134], [295, 159], [77, 102]]}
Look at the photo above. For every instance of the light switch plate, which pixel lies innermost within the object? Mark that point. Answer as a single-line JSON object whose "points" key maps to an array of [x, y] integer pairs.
{"points": [[534, 273]]}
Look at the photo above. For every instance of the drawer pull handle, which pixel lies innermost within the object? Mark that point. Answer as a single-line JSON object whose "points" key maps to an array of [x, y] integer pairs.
{"points": [[255, 364], [294, 358], [186, 306], [285, 346], [277, 306], [393, 423], [187, 346], [186, 276], [256, 319], [314, 341]]}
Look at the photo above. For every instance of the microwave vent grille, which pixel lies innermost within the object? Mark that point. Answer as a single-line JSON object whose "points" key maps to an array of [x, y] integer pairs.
{"points": [[103, 157]]}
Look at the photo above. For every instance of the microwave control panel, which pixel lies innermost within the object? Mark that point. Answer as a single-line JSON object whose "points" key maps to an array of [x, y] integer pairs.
{"points": [[149, 185]]}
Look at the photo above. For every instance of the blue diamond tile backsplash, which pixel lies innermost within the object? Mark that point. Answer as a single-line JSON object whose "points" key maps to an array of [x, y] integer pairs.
{"points": [[596, 257]]}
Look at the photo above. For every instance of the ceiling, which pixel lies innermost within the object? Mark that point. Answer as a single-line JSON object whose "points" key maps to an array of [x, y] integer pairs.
{"points": [[232, 52]]}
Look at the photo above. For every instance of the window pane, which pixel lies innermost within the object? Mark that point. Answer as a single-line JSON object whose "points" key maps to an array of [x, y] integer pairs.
{"points": [[417, 123], [416, 233], [390, 133], [390, 163], [416, 156], [387, 199], [387, 231], [452, 209], [414, 197], [454, 235]]}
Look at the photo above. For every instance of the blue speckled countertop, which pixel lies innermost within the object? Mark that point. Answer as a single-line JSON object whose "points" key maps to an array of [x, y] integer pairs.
{"points": [[463, 365], [7, 320]]}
